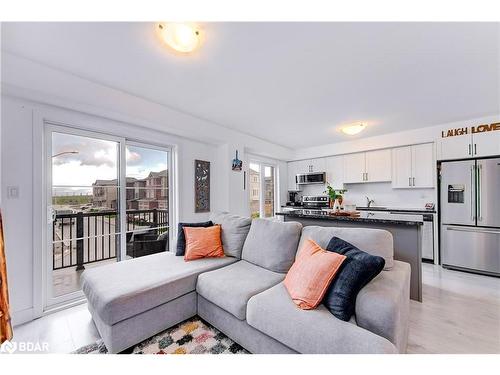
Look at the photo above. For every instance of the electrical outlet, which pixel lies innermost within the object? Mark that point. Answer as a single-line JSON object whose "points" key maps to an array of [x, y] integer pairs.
{"points": [[12, 192]]}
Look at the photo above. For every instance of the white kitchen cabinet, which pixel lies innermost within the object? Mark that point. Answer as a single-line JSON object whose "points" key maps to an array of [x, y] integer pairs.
{"points": [[318, 165], [354, 168], [335, 171], [303, 166], [378, 166], [401, 167], [423, 166], [486, 144], [413, 166], [311, 165], [293, 170], [370, 166], [470, 146], [458, 147]]}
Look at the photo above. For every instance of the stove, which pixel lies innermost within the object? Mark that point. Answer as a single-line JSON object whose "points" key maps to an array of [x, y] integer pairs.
{"points": [[315, 202], [311, 212]]}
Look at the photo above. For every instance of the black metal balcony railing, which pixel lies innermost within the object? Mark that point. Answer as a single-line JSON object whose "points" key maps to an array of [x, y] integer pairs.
{"points": [[88, 237]]}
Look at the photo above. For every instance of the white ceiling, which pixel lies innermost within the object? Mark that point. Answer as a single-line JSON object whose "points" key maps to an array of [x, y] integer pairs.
{"points": [[293, 84]]}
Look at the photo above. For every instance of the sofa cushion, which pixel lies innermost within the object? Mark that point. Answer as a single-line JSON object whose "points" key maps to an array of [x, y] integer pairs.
{"points": [[311, 275], [203, 243], [234, 232], [373, 241], [358, 269], [383, 306], [272, 244], [120, 290], [181, 237], [309, 331], [231, 287]]}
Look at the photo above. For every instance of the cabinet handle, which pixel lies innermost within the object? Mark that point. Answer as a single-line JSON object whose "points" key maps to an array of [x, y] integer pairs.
{"points": [[409, 181], [475, 148], [470, 148], [413, 181], [366, 176]]}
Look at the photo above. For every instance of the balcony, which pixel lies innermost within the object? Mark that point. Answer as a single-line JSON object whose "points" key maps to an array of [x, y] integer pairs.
{"points": [[90, 239]]}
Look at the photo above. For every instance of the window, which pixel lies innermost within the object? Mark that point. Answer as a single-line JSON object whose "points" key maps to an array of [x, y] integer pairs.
{"points": [[262, 189], [109, 201]]}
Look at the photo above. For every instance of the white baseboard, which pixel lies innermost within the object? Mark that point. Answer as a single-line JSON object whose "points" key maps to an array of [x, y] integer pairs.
{"points": [[22, 316]]}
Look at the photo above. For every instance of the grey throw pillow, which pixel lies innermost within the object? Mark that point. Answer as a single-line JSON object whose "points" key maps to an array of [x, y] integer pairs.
{"points": [[234, 232]]}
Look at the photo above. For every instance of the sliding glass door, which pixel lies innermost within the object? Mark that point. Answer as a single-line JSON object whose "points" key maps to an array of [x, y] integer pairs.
{"points": [[262, 189], [147, 200], [107, 201]]}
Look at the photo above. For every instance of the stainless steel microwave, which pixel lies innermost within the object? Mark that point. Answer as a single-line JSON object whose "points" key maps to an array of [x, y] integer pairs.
{"points": [[310, 178]]}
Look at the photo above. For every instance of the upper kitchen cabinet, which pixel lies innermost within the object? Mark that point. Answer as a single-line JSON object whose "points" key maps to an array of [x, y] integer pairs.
{"points": [[423, 166], [311, 166], [401, 167], [335, 171], [459, 147], [318, 165], [378, 166], [370, 166], [486, 144], [293, 170], [354, 168], [469, 146], [413, 166]]}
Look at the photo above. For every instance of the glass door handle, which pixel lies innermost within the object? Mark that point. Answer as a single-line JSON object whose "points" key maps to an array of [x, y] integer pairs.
{"points": [[51, 215]]}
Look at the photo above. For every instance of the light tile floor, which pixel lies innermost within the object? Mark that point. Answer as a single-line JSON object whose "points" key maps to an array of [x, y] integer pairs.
{"points": [[460, 314]]}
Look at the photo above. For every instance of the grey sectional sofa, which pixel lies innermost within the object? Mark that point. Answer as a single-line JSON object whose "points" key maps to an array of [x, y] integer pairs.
{"points": [[243, 294]]}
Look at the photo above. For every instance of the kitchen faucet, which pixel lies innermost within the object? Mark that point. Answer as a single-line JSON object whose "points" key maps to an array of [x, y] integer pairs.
{"points": [[369, 202]]}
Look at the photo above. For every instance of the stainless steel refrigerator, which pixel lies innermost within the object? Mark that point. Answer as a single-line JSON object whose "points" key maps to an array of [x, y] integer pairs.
{"points": [[470, 215]]}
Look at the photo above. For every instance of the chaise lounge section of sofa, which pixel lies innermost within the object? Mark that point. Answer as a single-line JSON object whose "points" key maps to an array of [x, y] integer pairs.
{"points": [[243, 294]]}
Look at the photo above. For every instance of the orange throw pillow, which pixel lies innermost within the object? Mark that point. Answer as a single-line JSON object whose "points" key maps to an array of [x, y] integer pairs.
{"points": [[203, 243], [310, 276]]}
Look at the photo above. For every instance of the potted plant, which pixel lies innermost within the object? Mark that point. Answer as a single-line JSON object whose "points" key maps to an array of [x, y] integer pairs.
{"points": [[334, 195]]}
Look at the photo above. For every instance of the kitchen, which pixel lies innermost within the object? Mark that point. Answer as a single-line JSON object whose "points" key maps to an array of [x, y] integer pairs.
{"points": [[401, 181]]}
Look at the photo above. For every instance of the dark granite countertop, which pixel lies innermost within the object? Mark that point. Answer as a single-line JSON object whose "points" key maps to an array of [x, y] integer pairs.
{"points": [[396, 209], [364, 217]]}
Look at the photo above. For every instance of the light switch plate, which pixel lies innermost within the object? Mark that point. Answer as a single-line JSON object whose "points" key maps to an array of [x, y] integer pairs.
{"points": [[12, 192]]}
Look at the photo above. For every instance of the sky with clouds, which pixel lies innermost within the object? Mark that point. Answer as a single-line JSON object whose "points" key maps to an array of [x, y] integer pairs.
{"points": [[97, 159]]}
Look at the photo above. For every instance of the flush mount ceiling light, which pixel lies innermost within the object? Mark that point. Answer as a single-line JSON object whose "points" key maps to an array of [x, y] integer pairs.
{"points": [[182, 37], [353, 129]]}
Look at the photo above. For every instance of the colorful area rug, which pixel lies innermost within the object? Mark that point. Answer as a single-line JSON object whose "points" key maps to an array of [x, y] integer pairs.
{"points": [[193, 336]]}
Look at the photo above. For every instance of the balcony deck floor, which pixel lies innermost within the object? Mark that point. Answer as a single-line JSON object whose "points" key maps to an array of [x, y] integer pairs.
{"points": [[67, 280]]}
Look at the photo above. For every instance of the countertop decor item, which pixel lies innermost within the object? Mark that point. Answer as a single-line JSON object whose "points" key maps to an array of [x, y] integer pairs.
{"points": [[334, 195], [5, 325], [201, 186]]}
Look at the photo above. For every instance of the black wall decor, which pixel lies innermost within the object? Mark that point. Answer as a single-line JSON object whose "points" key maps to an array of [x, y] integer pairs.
{"points": [[201, 186]]}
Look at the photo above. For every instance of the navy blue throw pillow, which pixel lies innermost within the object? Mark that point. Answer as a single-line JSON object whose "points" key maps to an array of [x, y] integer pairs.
{"points": [[181, 238], [357, 270]]}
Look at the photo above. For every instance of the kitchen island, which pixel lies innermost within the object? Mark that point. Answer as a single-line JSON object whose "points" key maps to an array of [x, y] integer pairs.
{"points": [[405, 229]]}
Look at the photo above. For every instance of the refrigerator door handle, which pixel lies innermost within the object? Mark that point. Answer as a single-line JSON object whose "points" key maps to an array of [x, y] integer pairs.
{"points": [[479, 176], [472, 198], [475, 230]]}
